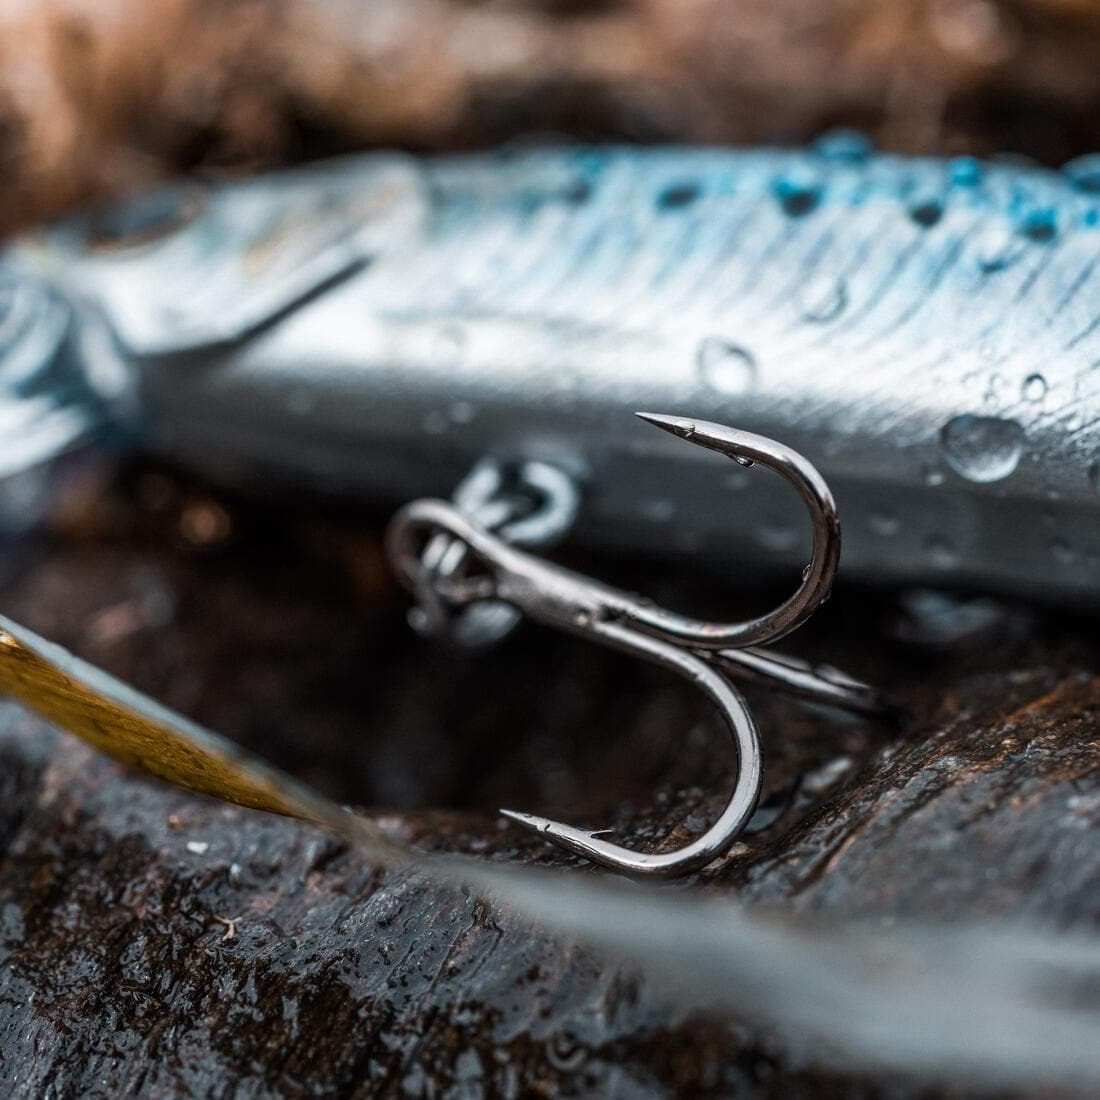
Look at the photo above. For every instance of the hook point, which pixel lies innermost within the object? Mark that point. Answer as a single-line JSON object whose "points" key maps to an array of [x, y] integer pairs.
{"points": [[529, 821], [682, 426]]}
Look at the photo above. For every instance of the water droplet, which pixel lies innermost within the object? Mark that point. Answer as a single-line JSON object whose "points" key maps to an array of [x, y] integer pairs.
{"points": [[926, 212], [883, 524], [823, 298], [933, 476], [725, 367], [1034, 388], [1062, 552], [941, 551], [741, 460], [849, 146], [1084, 173], [982, 448], [965, 172]]}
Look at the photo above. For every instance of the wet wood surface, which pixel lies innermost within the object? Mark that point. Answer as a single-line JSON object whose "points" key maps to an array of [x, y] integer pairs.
{"points": [[154, 941], [96, 99]]}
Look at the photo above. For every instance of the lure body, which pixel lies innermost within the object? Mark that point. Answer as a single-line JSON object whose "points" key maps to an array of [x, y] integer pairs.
{"points": [[926, 332]]}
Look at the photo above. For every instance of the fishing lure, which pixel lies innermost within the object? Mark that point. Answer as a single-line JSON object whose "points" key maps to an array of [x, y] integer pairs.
{"points": [[924, 331]]}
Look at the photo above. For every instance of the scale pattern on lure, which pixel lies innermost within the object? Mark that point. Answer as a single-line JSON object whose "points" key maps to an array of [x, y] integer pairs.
{"points": [[925, 331]]}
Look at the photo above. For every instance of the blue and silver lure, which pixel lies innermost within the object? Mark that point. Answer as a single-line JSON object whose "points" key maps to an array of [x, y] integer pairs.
{"points": [[926, 332]]}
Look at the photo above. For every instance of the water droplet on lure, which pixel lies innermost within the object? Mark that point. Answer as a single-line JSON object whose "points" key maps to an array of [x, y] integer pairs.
{"points": [[823, 298], [1034, 388], [982, 448], [932, 476], [725, 367]]}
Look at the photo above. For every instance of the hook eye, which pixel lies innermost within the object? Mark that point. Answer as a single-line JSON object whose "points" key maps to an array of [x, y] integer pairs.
{"points": [[410, 531]]}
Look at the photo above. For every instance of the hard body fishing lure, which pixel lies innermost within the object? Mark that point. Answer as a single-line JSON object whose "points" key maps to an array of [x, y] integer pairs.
{"points": [[924, 331]]}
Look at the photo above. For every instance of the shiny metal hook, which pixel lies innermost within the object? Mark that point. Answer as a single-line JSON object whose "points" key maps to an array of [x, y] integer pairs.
{"points": [[704, 653]]}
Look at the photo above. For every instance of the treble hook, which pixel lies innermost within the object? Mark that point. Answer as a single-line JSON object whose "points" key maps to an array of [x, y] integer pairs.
{"points": [[703, 652]]}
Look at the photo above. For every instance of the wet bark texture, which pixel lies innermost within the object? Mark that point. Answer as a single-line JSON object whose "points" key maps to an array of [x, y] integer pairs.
{"points": [[97, 98], [153, 941]]}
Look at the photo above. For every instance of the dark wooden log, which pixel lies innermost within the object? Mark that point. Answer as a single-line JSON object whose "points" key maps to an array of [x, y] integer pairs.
{"points": [[154, 942]]}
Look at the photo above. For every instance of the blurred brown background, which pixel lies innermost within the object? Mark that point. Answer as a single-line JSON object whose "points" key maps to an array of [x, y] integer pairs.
{"points": [[101, 96]]}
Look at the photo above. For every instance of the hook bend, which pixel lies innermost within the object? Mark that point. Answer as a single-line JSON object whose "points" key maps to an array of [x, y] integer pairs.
{"points": [[559, 597], [749, 449]]}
